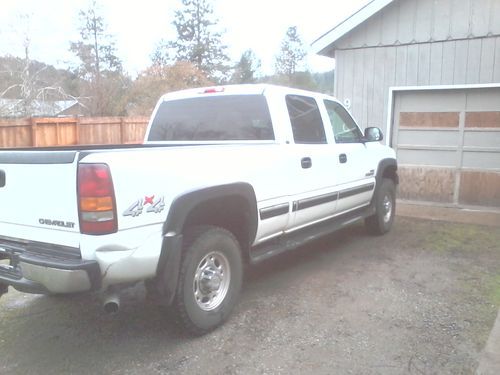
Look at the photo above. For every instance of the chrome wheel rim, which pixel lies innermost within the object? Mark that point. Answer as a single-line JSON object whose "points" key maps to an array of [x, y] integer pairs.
{"points": [[387, 207], [211, 281]]}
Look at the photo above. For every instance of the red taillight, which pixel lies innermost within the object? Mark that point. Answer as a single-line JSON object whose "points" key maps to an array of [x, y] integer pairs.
{"points": [[96, 199]]}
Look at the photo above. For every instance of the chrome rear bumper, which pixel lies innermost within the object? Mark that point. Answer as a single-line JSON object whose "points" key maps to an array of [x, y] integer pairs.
{"points": [[33, 268]]}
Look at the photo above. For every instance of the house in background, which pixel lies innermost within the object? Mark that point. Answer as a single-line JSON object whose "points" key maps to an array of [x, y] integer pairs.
{"points": [[428, 73], [41, 108]]}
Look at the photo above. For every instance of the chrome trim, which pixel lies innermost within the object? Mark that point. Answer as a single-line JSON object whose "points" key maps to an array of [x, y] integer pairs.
{"points": [[57, 280]]}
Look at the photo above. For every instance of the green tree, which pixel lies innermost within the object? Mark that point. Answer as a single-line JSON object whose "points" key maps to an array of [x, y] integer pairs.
{"points": [[197, 42], [292, 53], [246, 69], [100, 68]]}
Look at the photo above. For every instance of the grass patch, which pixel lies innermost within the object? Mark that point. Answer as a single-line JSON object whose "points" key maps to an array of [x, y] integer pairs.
{"points": [[479, 246], [447, 237], [493, 287]]}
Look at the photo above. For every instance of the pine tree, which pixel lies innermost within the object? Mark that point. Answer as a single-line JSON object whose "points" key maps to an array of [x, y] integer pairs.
{"points": [[246, 69], [99, 66], [292, 53], [198, 42]]}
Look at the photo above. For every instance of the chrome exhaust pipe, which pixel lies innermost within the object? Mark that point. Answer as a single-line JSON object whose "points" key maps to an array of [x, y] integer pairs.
{"points": [[111, 303]]}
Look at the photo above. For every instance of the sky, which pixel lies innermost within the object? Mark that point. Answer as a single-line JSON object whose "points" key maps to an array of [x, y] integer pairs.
{"points": [[138, 26]]}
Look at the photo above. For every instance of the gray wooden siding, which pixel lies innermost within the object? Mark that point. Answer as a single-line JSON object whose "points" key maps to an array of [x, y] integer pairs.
{"points": [[420, 21], [365, 75]]}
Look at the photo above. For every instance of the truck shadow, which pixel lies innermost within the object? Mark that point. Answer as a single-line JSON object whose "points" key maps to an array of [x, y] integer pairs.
{"points": [[68, 333]]}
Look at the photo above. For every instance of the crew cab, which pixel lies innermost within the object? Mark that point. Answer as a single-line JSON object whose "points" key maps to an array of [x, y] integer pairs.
{"points": [[226, 175]]}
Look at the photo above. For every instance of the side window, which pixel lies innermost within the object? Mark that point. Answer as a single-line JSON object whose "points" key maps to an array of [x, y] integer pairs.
{"points": [[305, 117], [344, 127]]}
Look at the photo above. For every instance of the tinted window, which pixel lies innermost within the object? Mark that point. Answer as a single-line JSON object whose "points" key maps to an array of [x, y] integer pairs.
{"points": [[344, 127], [215, 118], [305, 117]]}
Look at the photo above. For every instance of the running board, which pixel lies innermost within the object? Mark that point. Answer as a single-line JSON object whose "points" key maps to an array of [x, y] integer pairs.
{"points": [[291, 241]]}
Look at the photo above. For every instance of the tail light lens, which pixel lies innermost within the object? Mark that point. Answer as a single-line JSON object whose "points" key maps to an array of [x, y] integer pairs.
{"points": [[96, 199]]}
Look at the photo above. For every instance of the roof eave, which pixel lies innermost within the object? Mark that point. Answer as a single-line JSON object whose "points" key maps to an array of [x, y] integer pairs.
{"points": [[322, 45]]}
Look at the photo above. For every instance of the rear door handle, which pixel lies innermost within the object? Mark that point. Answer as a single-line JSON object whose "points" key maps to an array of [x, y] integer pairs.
{"points": [[306, 163], [2, 179], [343, 158]]}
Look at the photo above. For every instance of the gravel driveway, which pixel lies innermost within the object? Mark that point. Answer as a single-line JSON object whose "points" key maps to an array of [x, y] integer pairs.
{"points": [[420, 300]]}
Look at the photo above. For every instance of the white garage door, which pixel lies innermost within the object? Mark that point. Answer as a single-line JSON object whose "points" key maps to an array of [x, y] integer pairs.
{"points": [[448, 145]]}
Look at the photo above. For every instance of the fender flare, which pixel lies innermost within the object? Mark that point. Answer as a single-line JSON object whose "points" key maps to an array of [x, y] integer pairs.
{"points": [[382, 166], [171, 254], [184, 204]]}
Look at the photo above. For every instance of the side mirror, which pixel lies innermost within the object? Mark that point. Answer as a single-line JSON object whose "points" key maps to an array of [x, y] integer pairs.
{"points": [[373, 134]]}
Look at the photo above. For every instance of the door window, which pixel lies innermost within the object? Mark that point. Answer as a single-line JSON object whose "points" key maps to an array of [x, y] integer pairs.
{"points": [[343, 126]]}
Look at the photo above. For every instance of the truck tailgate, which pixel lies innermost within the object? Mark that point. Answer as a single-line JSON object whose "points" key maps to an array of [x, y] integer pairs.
{"points": [[38, 191]]}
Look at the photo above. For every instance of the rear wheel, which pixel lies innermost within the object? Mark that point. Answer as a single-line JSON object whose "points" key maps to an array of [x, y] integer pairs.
{"points": [[385, 208], [210, 278]]}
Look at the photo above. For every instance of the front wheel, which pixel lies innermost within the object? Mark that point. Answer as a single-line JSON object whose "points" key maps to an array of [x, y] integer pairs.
{"points": [[385, 208], [210, 278]]}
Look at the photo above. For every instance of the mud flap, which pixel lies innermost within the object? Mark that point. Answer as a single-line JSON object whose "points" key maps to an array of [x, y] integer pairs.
{"points": [[4, 288], [168, 268]]}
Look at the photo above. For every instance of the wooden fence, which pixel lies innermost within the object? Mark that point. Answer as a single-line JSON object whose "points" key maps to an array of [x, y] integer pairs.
{"points": [[43, 132]]}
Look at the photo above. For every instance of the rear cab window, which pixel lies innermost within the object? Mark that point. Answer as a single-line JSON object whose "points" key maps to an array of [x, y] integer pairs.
{"points": [[305, 118], [214, 118]]}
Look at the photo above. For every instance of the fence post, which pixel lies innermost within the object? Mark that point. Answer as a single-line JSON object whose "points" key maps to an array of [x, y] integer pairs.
{"points": [[33, 132], [122, 131], [77, 130], [58, 133]]}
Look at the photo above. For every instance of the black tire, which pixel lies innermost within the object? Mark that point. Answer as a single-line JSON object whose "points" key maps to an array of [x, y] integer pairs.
{"points": [[210, 278], [385, 208]]}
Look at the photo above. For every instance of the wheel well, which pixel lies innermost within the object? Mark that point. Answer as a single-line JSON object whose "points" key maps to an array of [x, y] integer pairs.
{"points": [[391, 172], [229, 212]]}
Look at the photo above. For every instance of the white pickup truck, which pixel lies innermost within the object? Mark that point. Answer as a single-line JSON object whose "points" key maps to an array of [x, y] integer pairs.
{"points": [[226, 175]]}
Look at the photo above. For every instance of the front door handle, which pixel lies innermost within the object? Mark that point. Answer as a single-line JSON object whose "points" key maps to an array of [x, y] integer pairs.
{"points": [[343, 158], [306, 163]]}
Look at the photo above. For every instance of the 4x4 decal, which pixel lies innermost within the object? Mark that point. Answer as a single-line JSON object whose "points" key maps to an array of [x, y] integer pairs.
{"points": [[150, 203]]}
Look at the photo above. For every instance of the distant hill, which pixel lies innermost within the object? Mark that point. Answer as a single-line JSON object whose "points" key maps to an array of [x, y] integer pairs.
{"points": [[320, 82], [324, 81]]}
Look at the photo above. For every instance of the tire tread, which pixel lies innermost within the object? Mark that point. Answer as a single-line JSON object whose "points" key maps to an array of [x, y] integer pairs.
{"points": [[179, 304]]}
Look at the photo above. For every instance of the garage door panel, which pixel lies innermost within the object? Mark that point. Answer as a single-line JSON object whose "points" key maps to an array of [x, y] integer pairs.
{"points": [[427, 157], [428, 137], [480, 188], [431, 101], [485, 119], [482, 100], [427, 183], [482, 139], [481, 160], [429, 119]]}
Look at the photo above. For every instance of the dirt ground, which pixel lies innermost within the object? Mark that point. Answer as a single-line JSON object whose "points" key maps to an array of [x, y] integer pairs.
{"points": [[420, 300]]}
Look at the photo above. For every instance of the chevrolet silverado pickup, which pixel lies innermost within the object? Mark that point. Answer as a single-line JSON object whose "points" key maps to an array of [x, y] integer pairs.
{"points": [[226, 176]]}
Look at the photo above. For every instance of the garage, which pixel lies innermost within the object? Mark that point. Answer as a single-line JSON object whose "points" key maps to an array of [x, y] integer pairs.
{"points": [[448, 144], [428, 72]]}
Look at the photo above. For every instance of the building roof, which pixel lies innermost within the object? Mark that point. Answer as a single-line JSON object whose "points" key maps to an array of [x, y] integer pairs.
{"points": [[322, 45], [15, 107]]}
